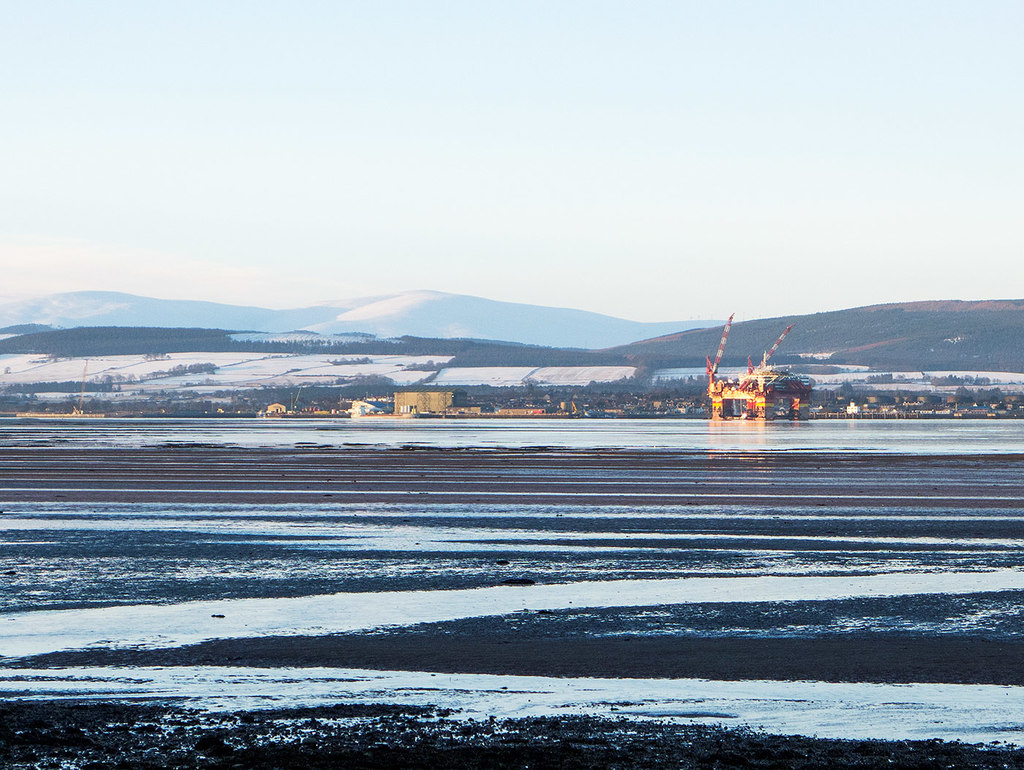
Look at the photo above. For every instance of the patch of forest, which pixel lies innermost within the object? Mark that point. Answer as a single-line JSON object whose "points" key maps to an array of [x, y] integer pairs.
{"points": [[157, 341]]}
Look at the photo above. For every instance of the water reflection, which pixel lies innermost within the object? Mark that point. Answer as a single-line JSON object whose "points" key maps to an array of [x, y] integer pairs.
{"points": [[899, 436]]}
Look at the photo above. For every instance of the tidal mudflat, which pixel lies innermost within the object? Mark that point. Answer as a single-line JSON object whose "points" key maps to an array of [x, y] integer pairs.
{"points": [[641, 597]]}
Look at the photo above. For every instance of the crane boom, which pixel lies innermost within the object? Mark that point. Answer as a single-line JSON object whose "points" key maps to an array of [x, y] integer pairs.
{"points": [[81, 396], [773, 348], [713, 367]]}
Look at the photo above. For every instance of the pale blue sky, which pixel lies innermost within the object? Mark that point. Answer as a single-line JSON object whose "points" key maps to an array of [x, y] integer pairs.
{"points": [[652, 160]]}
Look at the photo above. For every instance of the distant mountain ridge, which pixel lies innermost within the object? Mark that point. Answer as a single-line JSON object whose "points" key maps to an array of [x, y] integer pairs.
{"points": [[914, 336], [416, 313], [951, 305], [910, 336]]}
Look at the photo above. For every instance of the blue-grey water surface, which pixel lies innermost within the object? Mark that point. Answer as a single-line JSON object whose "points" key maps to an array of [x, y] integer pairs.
{"points": [[952, 436]]}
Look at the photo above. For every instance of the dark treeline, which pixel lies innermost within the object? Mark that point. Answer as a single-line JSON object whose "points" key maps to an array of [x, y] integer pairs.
{"points": [[118, 340], [124, 340], [67, 386]]}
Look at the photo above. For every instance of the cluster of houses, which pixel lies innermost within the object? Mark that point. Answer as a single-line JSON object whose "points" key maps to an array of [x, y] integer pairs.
{"points": [[455, 403]]}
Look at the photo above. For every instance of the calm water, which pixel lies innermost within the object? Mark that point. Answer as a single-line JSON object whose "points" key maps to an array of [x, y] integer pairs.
{"points": [[899, 436]]}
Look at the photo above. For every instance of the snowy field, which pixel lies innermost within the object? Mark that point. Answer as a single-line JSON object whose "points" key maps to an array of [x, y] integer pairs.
{"points": [[501, 376], [922, 378], [497, 376], [144, 375], [233, 371], [221, 371], [1012, 382]]}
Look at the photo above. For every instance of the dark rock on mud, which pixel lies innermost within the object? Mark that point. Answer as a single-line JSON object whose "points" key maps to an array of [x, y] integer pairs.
{"points": [[94, 735]]}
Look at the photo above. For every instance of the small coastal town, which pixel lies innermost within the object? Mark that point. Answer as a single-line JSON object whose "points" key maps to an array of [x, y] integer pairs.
{"points": [[664, 403], [685, 399], [207, 391]]}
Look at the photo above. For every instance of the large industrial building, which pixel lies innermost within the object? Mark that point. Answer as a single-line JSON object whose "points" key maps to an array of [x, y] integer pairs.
{"points": [[412, 402]]}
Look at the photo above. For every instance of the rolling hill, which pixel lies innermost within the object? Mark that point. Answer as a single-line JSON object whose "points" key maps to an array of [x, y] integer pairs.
{"points": [[156, 341], [909, 337], [986, 335], [414, 313]]}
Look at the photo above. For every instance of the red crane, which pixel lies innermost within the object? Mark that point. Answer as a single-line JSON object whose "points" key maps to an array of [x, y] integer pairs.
{"points": [[773, 348], [713, 367]]}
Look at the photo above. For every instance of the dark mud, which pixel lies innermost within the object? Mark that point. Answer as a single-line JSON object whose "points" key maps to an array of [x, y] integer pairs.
{"points": [[99, 735], [855, 658]]}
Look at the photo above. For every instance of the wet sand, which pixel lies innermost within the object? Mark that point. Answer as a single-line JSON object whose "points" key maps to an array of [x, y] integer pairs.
{"points": [[109, 527], [542, 476]]}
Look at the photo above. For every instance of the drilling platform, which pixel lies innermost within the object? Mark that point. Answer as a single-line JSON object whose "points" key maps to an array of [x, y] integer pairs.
{"points": [[765, 392]]}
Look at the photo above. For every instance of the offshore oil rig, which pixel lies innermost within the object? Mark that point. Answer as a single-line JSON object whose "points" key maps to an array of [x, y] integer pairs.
{"points": [[765, 392]]}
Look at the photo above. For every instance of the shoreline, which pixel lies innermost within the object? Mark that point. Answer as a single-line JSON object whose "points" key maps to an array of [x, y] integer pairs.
{"points": [[372, 736]]}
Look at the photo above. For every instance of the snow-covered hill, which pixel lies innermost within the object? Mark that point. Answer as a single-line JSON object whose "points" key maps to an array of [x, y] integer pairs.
{"points": [[107, 308], [415, 313]]}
